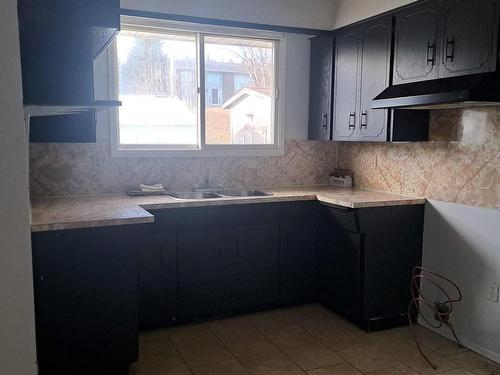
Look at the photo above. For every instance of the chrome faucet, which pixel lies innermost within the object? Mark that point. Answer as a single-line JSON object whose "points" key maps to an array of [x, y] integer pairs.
{"points": [[206, 181], [206, 185]]}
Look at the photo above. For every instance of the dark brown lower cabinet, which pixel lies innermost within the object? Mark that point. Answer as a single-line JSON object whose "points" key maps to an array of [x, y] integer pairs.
{"points": [[255, 267], [228, 260], [85, 284], [339, 272], [95, 287], [157, 280], [366, 261], [300, 234], [203, 273]]}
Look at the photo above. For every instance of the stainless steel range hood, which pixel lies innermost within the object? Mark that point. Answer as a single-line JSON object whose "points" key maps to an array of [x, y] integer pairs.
{"points": [[457, 92]]}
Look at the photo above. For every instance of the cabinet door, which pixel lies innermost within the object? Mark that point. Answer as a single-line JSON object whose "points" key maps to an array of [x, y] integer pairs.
{"points": [[375, 77], [298, 275], [340, 272], [255, 266], [470, 30], [320, 88], [157, 268], [203, 272], [417, 47], [346, 119], [85, 284]]}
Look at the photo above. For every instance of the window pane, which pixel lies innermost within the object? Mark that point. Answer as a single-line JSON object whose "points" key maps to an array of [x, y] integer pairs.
{"points": [[158, 88], [239, 90]]}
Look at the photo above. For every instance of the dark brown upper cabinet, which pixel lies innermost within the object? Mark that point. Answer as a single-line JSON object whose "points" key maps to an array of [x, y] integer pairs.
{"points": [[59, 40], [470, 37], [320, 88], [417, 44], [374, 70], [362, 71], [346, 78], [440, 39]]}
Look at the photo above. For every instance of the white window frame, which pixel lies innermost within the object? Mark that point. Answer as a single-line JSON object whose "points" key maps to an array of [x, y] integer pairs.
{"points": [[203, 149]]}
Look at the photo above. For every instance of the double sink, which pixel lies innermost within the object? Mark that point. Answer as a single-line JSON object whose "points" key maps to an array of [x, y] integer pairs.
{"points": [[219, 194]]}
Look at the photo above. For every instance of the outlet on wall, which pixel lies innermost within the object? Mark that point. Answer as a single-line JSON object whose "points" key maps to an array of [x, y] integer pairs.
{"points": [[493, 291]]}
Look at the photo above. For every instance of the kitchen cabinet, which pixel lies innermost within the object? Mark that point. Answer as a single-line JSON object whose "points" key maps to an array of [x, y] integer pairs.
{"points": [[375, 63], [80, 128], [470, 37], [440, 39], [59, 41], [85, 284], [157, 272], [203, 273], [301, 228], [367, 260], [320, 88], [339, 271], [417, 45], [95, 287], [228, 259], [255, 252], [255, 267], [347, 83], [362, 71]]}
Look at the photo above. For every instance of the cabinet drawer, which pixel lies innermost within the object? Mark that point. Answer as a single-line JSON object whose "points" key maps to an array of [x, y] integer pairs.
{"points": [[301, 212], [203, 218], [252, 214], [166, 221]]}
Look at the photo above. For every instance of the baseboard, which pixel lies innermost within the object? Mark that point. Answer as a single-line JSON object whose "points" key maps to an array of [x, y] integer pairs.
{"points": [[469, 344]]}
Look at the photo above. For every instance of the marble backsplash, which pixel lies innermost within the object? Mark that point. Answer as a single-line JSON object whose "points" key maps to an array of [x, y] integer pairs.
{"points": [[88, 169], [460, 164]]}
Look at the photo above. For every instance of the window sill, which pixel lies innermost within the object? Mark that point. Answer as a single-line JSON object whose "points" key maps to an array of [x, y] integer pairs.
{"points": [[205, 153]]}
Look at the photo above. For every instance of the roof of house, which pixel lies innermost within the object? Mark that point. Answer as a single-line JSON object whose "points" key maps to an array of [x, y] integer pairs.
{"points": [[247, 91]]}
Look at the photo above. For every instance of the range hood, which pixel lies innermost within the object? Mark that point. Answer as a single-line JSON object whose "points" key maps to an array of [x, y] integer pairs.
{"points": [[457, 92]]}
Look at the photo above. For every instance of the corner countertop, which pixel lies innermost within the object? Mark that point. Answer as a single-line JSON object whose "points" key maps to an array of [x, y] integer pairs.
{"points": [[107, 210]]}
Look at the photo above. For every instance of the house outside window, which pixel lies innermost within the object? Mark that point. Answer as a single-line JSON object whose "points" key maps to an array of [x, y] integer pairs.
{"points": [[192, 90], [213, 89], [241, 81]]}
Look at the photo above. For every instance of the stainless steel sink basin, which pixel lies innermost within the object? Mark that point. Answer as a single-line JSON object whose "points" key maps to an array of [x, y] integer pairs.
{"points": [[194, 195], [244, 193]]}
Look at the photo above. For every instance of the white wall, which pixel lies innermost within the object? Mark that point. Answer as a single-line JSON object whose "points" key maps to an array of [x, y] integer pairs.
{"points": [[315, 14], [17, 331], [349, 11], [463, 243], [297, 86]]}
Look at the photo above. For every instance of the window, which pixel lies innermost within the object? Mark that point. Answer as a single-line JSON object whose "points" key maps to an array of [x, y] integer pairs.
{"points": [[240, 81], [159, 102], [191, 90], [213, 89]]}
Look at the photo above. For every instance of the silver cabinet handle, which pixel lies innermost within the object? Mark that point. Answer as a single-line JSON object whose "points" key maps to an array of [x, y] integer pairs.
{"points": [[352, 120], [364, 119], [431, 53], [324, 123], [450, 45]]}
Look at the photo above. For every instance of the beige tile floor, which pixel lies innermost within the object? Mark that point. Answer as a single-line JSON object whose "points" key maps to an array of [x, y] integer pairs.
{"points": [[301, 340]]}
